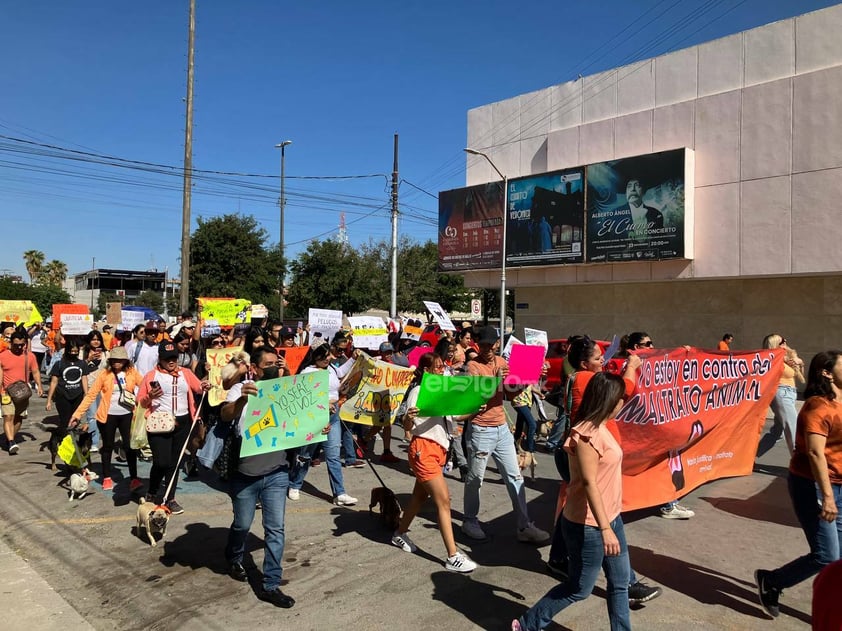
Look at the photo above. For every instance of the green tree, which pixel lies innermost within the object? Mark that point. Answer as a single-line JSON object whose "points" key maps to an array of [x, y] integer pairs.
{"points": [[43, 296], [151, 299], [34, 261], [229, 257], [102, 303], [54, 273]]}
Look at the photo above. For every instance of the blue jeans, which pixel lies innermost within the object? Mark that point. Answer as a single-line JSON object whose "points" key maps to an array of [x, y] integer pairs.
{"points": [[524, 417], [334, 465], [783, 407], [348, 443], [586, 558], [93, 428], [556, 433], [825, 538], [271, 491], [496, 442]]}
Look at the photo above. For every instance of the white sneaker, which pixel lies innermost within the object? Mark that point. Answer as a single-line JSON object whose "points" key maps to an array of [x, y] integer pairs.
{"points": [[403, 542], [676, 511], [293, 494], [460, 562], [472, 528], [344, 500], [532, 534]]}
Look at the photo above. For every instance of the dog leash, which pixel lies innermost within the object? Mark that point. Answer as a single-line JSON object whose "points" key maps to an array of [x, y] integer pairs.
{"points": [[184, 446], [368, 460]]}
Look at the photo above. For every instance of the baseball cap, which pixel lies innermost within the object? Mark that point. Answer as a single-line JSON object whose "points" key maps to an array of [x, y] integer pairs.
{"points": [[167, 350], [385, 347], [286, 332], [486, 335]]}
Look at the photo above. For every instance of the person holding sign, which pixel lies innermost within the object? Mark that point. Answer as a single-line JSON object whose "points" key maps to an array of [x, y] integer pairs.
{"points": [[427, 455], [489, 435]]}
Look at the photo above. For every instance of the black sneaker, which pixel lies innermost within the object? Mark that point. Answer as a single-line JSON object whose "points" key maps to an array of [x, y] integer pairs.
{"points": [[276, 597], [640, 593], [175, 507], [238, 572], [767, 594], [558, 569]]}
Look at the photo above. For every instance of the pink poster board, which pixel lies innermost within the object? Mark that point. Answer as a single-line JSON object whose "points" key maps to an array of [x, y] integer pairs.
{"points": [[415, 354], [525, 364]]}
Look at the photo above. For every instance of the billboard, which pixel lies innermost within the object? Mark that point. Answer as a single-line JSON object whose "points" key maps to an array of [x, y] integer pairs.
{"points": [[546, 219], [640, 208], [471, 227]]}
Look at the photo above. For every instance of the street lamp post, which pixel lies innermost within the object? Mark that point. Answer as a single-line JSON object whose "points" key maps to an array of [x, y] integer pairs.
{"points": [[282, 202], [503, 261]]}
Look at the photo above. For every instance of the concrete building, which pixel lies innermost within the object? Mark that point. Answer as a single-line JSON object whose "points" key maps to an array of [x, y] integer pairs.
{"points": [[86, 287], [761, 110]]}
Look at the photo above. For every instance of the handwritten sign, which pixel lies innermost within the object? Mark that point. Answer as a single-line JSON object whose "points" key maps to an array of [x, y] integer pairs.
{"points": [[76, 323], [60, 310], [368, 331], [412, 330], [20, 312], [286, 412], [217, 358], [439, 315], [375, 390], [259, 311], [324, 321], [225, 311], [131, 319], [462, 394]]}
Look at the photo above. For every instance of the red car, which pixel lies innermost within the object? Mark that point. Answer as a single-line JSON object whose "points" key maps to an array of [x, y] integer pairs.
{"points": [[431, 335], [556, 352]]}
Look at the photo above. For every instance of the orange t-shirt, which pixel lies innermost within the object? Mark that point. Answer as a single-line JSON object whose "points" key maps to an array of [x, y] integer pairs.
{"points": [[494, 414], [14, 367], [580, 382], [723, 346], [823, 417], [609, 473]]}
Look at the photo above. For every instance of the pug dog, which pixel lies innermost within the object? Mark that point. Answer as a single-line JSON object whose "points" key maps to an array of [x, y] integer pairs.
{"points": [[153, 518]]}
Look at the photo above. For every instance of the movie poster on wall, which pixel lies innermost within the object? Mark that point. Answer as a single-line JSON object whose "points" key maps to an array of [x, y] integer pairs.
{"points": [[471, 227], [546, 219], [640, 208]]}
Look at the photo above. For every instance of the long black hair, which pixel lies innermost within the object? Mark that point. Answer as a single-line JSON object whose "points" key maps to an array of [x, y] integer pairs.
{"points": [[817, 384], [601, 396], [314, 354], [580, 350]]}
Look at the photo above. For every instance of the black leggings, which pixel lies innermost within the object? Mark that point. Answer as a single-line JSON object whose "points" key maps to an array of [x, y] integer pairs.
{"points": [[65, 409], [108, 431], [165, 451]]}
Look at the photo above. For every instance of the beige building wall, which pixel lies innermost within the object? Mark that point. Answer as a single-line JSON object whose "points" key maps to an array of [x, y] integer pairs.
{"points": [[762, 110]]}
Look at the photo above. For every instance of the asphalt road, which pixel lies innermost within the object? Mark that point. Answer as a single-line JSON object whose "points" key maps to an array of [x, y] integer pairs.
{"points": [[66, 564]]}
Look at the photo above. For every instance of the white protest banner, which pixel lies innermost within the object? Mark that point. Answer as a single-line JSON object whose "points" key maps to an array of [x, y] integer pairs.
{"points": [[368, 331], [412, 329], [76, 323], [507, 349], [439, 315], [131, 319], [536, 337], [259, 311], [324, 321]]}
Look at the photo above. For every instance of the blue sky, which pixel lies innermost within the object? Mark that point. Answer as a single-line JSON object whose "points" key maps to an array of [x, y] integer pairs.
{"points": [[337, 78]]}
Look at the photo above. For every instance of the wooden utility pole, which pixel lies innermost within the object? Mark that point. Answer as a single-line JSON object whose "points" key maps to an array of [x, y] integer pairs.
{"points": [[393, 311], [188, 168]]}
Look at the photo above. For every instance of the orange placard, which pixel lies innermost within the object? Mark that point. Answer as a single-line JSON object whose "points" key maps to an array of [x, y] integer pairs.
{"points": [[294, 355], [694, 417], [58, 310]]}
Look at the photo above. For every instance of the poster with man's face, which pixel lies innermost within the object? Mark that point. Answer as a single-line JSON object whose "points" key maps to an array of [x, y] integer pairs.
{"points": [[637, 209]]}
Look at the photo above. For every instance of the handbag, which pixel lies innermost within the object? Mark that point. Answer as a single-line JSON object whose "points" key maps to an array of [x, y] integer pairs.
{"points": [[19, 391], [229, 456], [127, 399], [163, 421]]}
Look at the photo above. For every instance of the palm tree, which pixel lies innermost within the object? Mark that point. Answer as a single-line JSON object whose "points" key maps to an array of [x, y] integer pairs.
{"points": [[55, 273], [34, 261]]}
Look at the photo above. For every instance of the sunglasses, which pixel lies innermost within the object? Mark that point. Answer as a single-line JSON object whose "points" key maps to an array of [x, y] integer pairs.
{"points": [[217, 343], [646, 344]]}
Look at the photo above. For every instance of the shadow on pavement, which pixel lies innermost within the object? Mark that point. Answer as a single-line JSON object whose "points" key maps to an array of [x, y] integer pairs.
{"points": [[763, 506]]}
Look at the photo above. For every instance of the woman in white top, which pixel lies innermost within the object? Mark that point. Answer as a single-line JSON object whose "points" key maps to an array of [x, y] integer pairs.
{"points": [[427, 456]]}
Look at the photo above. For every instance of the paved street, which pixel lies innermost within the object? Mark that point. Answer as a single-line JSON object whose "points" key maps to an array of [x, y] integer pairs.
{"points": [[70, 564]]}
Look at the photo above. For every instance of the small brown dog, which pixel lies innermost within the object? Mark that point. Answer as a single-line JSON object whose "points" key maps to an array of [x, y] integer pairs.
{"points": [[154, 519], [390, 510]]}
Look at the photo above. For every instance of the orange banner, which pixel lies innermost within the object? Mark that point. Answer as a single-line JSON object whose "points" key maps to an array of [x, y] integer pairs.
{"points": [[294, 355], [694, 417], [58, 310]]}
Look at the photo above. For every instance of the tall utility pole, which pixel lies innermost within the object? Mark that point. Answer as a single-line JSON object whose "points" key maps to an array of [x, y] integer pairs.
{"points": [[393, 311], [188, 167], [282, 202]]}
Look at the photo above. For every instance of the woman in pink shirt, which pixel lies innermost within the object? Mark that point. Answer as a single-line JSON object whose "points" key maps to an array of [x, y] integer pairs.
{"points": [[593, 527]]}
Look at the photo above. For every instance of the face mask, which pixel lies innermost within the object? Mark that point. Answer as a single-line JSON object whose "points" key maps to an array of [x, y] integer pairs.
{"points": [[271, 372], [73, 355]]}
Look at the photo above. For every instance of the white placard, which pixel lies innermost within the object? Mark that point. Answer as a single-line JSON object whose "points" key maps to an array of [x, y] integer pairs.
{"points": [[259, 311], [439, 315], [76, 323], [412, 329], [131, 319], [536, 337], [368, 331], [324, 321], [507, 349]]}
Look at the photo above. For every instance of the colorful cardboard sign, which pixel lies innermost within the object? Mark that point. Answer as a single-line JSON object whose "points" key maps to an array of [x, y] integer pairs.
{"points": [[439, 315], [287, 412], [259, 311], [412, 330], [415, 354], [324, 321], [442, 395], [20, 312], [60, 310], [217, 358], [224, 312], [374, 390], [525, 364], [294, 355], [368, 331]]}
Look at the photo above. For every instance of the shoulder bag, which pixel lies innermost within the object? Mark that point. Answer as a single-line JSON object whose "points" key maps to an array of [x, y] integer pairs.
{"points": [[127, 399], [19, 391], [163, 421]]}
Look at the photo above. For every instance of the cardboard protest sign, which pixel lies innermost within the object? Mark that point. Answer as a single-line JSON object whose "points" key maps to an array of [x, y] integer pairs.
{"points": [[439, 315], [224, 311], [76, 323], [60, 310], [131, 319], [324, 321], [525, 364], [259, 311], [217, 358], [113, 312], [412, 330], [375, 390], [536, 337], [20, 312], [368, 331], [441, 395], [695, 416], [69, 454], [294, 355], [286, 412]]}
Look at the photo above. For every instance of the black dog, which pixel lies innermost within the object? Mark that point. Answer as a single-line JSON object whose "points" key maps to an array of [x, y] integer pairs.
{"points": [[390, 509], [84, 440]]}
